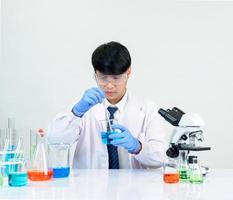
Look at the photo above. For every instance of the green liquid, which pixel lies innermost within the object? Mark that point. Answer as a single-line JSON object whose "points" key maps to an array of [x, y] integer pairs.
{"points": [[196, 179], [184, 174], [1, 180]]}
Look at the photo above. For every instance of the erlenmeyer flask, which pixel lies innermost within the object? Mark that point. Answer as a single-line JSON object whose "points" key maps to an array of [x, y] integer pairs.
{"points": [[183, 167], [39, 167], [195, 170]]}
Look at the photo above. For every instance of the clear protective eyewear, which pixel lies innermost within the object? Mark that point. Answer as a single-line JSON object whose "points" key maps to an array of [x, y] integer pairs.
{"points": [[114, 79]]}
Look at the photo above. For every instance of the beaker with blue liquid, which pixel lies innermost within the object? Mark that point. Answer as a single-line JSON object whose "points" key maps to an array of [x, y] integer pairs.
{"points": [[17, 176], [106, 130], [59, 157], [11, 142]]}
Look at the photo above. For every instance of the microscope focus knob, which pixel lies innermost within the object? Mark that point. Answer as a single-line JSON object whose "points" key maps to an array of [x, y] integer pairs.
{"points": [[173, 152]]}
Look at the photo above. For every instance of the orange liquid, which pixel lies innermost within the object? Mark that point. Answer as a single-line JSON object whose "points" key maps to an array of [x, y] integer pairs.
{"points": [[39, 175], [171, 178]]}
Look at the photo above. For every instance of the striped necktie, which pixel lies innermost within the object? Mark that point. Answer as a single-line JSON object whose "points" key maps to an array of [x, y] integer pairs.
{"points": [[113, 159]]}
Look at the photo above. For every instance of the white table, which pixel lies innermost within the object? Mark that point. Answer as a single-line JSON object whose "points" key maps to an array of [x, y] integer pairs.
{"points": [[123, 184]]}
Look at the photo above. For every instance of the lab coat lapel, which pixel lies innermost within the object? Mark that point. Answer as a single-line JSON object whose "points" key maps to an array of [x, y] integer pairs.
{"points": [[133, 116], [98, 111]]}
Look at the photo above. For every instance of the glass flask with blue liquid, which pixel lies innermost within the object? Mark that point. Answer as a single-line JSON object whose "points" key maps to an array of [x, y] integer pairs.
{"points": [[106, 130]]}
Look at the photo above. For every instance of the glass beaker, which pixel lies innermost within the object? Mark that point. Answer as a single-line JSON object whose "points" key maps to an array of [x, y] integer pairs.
{"points": [[59, 157], [11, 154], [11, 142], [107, 130], [39, 170], [170, 172], [17, 173], [195, 170]]}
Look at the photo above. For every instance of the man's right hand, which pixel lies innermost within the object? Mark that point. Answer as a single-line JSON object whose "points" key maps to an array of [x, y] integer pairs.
{"points": [[90, 98]]}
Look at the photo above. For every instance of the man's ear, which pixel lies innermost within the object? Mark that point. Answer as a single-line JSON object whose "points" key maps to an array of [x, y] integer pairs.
{"points": [[128, 72]]}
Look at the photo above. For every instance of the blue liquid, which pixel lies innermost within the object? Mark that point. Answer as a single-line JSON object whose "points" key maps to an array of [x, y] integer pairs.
{"points": [[8, 157], [61, 172], [17, 179], [105, 136]]}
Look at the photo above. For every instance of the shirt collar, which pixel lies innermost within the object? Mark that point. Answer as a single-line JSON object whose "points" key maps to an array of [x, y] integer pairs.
{"points": [[120, 105]]}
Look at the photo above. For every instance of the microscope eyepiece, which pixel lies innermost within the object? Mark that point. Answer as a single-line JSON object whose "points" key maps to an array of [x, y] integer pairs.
{"points": [[172, 116]]}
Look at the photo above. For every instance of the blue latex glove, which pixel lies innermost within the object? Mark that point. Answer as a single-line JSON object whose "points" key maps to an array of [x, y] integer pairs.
{"points": [[125, 139], [90, 98]]}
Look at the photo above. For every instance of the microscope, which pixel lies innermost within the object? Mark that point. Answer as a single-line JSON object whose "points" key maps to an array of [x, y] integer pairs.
{"points": [[186, 136]]}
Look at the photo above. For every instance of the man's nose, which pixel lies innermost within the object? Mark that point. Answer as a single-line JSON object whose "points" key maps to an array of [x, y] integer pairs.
{"points": [[109, 84]]}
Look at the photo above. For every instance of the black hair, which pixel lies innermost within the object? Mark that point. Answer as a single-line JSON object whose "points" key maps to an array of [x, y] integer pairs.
{"points": [[111, 58]]}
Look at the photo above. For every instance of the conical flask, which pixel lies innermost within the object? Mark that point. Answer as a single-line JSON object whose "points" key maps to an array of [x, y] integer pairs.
{"points": [[39, 167]]}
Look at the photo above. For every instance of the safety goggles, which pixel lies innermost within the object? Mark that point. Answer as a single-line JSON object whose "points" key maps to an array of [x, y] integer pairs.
{"points": [[114, 79]]}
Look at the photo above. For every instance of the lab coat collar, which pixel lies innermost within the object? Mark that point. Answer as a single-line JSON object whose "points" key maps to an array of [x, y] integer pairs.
{"points": [[99, 111], [120, 105]]}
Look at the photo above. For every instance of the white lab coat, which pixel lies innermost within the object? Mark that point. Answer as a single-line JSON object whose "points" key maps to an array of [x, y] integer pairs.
{"points": [[140, 117]]}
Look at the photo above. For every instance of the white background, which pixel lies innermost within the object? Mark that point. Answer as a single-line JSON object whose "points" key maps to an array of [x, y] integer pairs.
{"points": [[182, 55]]}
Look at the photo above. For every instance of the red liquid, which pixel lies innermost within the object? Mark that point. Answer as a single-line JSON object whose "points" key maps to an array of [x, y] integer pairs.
{"points": [[171, 178], [39, 175]]}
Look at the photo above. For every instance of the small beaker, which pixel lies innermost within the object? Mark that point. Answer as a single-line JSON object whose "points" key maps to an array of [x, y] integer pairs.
{"points": [[17, 173], [106, 129], [170, 172], [59, 157]]}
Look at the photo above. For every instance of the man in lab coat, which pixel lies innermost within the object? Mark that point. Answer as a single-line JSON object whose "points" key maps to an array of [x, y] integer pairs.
{"points": [[139, 141]]}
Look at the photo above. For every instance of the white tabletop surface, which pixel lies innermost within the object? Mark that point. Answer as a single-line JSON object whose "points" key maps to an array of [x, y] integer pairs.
{"points": [[123, 184]]}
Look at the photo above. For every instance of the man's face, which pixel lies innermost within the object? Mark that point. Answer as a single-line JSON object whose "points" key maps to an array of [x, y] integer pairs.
{"points": [[114, 86]]}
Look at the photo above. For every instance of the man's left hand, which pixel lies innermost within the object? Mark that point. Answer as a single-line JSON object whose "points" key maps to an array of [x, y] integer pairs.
{"points": [[125, 139]]}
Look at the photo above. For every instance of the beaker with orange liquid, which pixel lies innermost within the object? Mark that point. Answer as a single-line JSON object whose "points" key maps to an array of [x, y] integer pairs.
{"points": [[170, 172]]}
